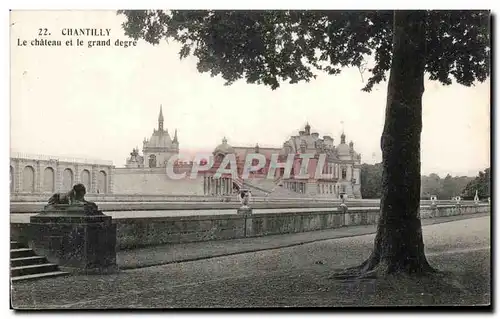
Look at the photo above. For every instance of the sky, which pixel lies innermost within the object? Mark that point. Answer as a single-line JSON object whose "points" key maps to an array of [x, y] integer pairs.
{"points": [[101, 102]]}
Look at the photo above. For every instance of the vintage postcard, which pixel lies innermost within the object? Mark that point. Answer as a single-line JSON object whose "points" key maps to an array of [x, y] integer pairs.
{"points": [[249, 159]]}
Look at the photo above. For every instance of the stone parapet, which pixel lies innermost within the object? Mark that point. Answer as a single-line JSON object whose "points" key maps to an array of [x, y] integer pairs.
{"points": [[77, 238]]}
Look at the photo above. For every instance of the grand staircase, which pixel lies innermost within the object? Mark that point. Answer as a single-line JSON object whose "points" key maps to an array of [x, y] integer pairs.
{"points": [[26, 265]]}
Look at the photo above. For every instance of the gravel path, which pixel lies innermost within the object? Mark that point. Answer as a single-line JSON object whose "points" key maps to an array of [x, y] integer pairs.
{"points": [[286, 277]]}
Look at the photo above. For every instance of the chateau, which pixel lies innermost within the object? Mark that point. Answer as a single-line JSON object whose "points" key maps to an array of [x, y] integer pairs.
{"points": [[146, 174]]}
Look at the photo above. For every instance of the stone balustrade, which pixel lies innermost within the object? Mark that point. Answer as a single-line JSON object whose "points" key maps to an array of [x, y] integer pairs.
{"points": [[142, 232]]}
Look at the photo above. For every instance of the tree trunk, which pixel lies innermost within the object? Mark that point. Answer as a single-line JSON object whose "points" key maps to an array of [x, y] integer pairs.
{"points": [[399, 244]]}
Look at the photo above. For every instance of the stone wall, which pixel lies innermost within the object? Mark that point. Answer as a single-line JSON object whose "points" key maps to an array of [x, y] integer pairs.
{"points": [[134, 233], [154, 181], [35, 202], [142, 232], [45, 175]]}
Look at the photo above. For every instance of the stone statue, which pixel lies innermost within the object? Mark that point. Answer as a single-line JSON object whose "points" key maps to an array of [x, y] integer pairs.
{"points": [[476, 198], [343, 205], [433, 199], [245, 197], [73, 199]]}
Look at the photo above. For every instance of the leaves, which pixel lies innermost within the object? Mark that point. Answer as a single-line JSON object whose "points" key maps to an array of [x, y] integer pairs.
{"points": [[482, 183], [271, 47], [371, 181]]}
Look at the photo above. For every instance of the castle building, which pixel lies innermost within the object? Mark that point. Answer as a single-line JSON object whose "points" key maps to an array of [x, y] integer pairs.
{"points": [[146, 174], [157, 149], [340, 173]]}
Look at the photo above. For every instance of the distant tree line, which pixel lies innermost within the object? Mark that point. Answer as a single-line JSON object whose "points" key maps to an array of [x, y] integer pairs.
{"points": [[443, 188], [481, 183]]}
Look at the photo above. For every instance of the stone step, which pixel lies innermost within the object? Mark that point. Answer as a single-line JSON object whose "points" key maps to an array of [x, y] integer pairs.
{"points": [[39, 276], [15, 245], [33, 269], [21, 252], [25, 261]]}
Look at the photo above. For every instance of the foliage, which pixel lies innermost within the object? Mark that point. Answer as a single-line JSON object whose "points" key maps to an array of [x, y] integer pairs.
{"points": [[481, 183], [268, 47], [371, 181], [443, 188]]}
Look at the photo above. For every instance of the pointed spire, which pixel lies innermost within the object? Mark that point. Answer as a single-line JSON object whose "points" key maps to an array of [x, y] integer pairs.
{"points": [[342, 138], [308, 128], [175, 137], [160, 119]]}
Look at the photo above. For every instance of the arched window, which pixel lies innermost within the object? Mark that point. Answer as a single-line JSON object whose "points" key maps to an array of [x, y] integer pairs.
{"points": [[102, 184], [48, 180], [11, 179], [67, 179], [29, 179], [344, 173], [152, 160], [85, 179]]}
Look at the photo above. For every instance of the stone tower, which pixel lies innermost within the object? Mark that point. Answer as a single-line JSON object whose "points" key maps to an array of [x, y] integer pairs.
{"points": [[160, 147]]}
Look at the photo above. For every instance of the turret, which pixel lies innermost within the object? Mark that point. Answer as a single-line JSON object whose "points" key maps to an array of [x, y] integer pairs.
{"points": [[160, 120], [308, 129], [175, 141]]}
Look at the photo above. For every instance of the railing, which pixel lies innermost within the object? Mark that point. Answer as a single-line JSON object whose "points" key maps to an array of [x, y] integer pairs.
{"points": [[238, 181], [43, 197], [42, 157]]}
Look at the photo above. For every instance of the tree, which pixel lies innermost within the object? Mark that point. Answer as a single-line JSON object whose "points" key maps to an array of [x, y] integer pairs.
{"points": [[371, 181], [453, 186], [481, 183], [268, 47], [431, 185], [447, 188]]}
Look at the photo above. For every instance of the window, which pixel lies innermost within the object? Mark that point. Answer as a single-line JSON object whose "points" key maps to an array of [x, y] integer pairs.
{"points": [[11, 179], [48, 180], [344, 173], [152, 160], [29, 179], [67, 180], [102, 182]]}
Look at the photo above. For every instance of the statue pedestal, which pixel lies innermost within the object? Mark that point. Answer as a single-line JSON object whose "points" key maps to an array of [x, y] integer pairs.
{"points": [[245, 210], [434, 210], [343, 208], [347, 218], [79, 238]]}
